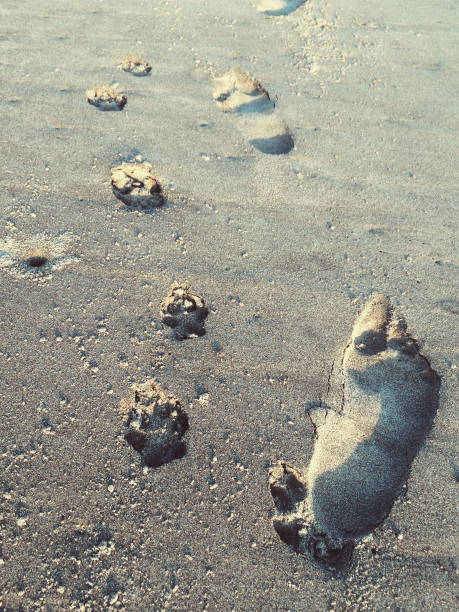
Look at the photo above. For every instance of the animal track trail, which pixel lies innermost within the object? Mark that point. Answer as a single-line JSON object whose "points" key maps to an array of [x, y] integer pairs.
{"points": [[278, 7], [363, 453], [238, 92]]}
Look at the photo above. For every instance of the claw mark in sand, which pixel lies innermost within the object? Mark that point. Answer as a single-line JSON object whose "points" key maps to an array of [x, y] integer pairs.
{"points": [[238, 92], [184, 312], [155, 424], [362, 454], [278, 7]]}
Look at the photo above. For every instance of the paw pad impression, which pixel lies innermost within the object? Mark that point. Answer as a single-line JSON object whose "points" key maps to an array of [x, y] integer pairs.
{"points": [[184, 312], [155, 424]]}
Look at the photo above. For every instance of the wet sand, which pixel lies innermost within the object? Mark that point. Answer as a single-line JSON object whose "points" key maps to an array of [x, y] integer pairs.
{"points": [[284, 247]]}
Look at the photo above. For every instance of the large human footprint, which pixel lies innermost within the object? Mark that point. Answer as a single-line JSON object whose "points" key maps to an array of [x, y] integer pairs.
{"points": [[238, 92], [278, 7], [364, 448]]}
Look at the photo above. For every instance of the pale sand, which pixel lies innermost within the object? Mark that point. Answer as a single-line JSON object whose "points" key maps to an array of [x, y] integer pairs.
{"points": [[284, 249]]}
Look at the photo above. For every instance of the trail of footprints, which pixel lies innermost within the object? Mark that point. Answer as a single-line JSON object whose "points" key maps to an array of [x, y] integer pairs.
{"points": [[155, 421], [365, 445]]}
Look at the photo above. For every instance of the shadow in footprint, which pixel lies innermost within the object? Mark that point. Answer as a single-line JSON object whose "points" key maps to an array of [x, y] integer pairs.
{"points": [[352, 499], [263, 105], [276, 8], [276, 145]]}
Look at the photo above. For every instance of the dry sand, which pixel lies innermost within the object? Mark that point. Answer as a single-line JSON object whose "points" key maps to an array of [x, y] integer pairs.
{"points": [[284, 247]]}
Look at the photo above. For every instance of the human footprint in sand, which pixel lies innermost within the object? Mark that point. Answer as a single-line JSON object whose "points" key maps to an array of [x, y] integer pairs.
{"points": [[364, 447], [239, 93]]}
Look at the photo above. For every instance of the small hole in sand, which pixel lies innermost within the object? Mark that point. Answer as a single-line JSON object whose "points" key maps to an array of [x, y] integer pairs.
{"points": [[36, 262]]}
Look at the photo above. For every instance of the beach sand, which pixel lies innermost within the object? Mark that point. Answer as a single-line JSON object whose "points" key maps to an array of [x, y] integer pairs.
{"points": [[284, 216]]}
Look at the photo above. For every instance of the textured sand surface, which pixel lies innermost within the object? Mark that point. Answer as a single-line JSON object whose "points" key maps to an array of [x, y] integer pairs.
{"points": [[284, 249]]}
